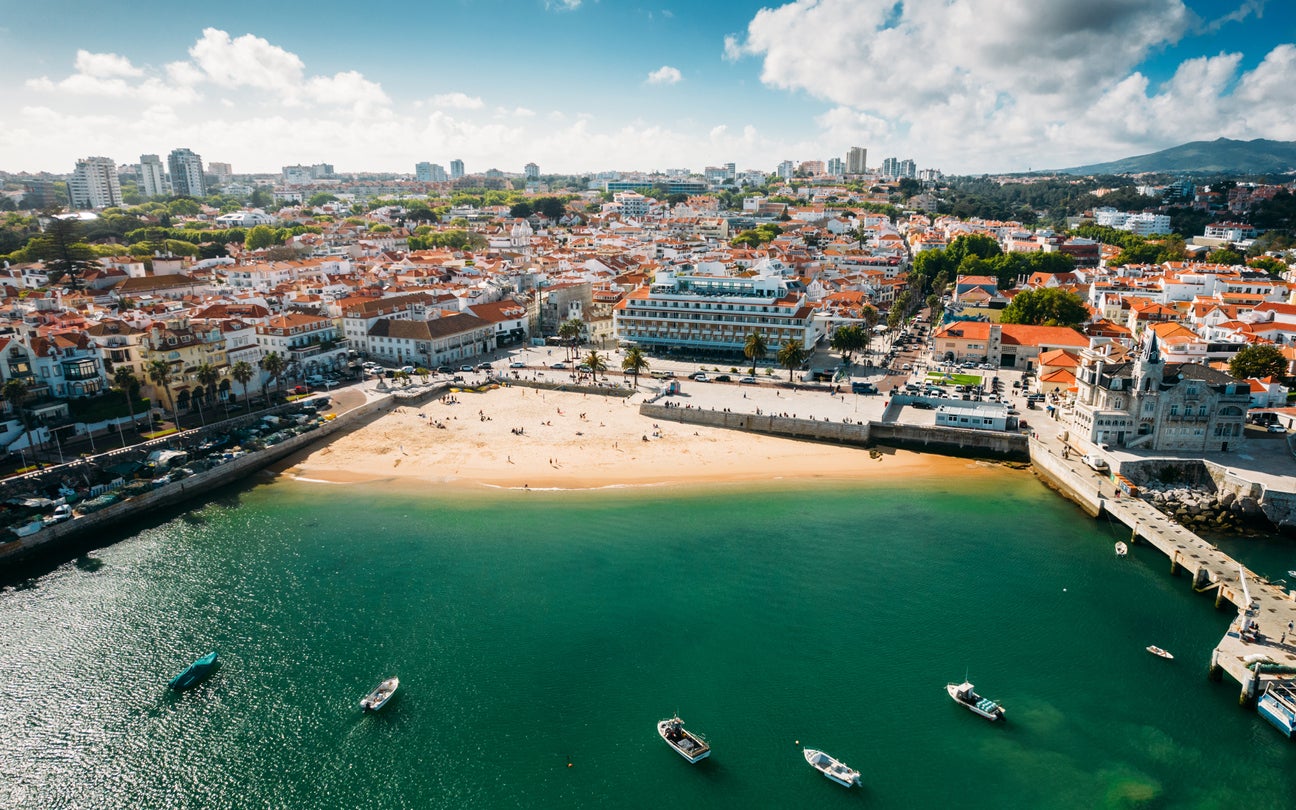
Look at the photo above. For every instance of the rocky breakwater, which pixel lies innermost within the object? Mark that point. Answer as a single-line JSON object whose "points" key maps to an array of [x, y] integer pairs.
{"points": [[1209, 510]]}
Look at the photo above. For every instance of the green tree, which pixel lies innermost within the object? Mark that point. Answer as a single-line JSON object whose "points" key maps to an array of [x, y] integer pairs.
{"points": [[64, 255], [1274, 267], [755, 349], [570, 331], [847, 340], [550, 207], [15, 392], [320, 198], [124, 378], [274, 364], [184, 207], [521, 210], [1046, 306], [791, 355], [423, 373], [1258, 361], [159, 372], [243, 373], [207, 376], [259, 236], [596, 364], [635, 362], [1225, 256]]}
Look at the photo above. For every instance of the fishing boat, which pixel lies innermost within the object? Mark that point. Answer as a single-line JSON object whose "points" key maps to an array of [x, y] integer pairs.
{"points": [[378, 698], [1155, 650], [689, 745], [837, 771], [964, 695], [1278, 706], [1292, 574], [195, 673], [1121, 549]]}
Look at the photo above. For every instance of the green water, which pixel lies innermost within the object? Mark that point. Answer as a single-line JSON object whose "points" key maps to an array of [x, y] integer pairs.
{"points": [[540, 636]]}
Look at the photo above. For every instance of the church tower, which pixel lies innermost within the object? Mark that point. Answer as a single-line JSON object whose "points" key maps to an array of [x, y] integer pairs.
{"points": [[1149, 370]]}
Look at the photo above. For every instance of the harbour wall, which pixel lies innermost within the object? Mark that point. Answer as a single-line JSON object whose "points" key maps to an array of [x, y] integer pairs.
{"points": [[54, 537], [1050, 469], [1279, 506], [923, 438]]}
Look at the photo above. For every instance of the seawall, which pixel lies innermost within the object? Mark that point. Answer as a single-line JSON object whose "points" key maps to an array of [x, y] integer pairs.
{"points": [[53, 537], [923, 438]]}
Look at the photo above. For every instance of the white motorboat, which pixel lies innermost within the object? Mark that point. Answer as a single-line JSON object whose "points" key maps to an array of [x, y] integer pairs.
{"points": [[1155, 650], [965, 695], [835, 770], [378, 698], [1121, 549], [689, 745]]}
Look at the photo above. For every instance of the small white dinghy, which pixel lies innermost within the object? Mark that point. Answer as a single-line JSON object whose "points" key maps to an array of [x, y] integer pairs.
{"points": [[378, 698], [1155, 650], [835, 770], [1121, 549]]}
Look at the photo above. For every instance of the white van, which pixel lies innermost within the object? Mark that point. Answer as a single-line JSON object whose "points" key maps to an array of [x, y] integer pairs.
{"points": [[1094, 462]]}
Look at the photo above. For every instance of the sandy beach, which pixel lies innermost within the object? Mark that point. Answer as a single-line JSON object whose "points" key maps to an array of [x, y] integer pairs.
{"points": [[526, 438]]}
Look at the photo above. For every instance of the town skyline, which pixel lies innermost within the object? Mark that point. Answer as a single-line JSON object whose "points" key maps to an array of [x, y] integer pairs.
{"points": [[733, 82]]}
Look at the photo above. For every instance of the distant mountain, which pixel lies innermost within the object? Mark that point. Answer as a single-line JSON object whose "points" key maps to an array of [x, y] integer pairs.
{"points": [[1222, 156]]}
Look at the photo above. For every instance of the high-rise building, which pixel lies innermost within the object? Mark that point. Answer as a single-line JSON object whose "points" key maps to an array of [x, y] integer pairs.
{"points": [[786, 169], [531, 171], [456, 169], [38, 194], [855, 160], [731, 171], [836, 168], [187, 173], [94, 184], [907, 168], [153, 179], [891, 167], [423, 172], [223, 173]]}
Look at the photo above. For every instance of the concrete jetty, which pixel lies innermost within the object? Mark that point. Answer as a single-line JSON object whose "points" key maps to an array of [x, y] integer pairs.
{"points": [[1270, 611]]}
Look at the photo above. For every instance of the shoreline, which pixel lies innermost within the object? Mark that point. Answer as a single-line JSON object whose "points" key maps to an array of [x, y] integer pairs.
{"points": [[516, 438]]}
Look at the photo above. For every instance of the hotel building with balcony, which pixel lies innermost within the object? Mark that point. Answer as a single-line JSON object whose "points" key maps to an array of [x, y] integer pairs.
{"points": [[714, 314]]}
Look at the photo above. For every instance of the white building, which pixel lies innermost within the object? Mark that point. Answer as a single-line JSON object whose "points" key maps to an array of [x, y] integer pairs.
{"points": [[855, 160], [94, 184], [187, 173], [153, 179], [1141, 224], [532, 171], [248, 218], [717, 313]]}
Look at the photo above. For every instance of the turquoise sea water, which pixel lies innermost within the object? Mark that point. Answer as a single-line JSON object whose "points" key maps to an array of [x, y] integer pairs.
{"points": [[540, 636]]}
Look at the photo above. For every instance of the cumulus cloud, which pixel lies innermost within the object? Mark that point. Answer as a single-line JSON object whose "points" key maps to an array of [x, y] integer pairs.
{"points": [[664, 75], [1046, 79], [246, 61], [562, 5], [457, 101]]}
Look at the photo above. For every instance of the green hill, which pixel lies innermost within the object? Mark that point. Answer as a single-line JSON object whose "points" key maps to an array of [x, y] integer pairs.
{"points": [[1221, 156]]}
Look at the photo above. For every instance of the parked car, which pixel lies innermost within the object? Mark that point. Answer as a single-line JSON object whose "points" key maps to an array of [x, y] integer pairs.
{"points": [[1276, 429], [298, 390], [923, 405], [517, 364], [484, 367], [444, 370], [747, 379], [466, 368], [699, 376], [1094, 462], [723, 378], [559, 365]]}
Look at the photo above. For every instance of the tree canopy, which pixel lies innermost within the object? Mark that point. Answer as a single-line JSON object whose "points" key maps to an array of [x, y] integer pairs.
{"points": [[1258, 361], [1046, 306]]}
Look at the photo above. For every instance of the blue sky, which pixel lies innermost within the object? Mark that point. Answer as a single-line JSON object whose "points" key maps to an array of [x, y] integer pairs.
{"points": [[588, 85]]}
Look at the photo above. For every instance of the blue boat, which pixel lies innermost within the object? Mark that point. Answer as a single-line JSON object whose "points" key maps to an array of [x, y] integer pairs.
{"points": [[195, 673]]}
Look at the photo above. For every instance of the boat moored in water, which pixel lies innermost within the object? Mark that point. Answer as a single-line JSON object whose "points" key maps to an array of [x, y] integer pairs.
{"points": [[965, 695], [832, 768], [687, 744], [1121, 549], [1155, 650], [1278, 706], [195, 673], [378, 698]]}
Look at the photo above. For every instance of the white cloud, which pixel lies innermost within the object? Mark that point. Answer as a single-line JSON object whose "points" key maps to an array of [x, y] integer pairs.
{"points": [[664, 75], [105, 65], [457, 101], [986, 84], [562, 5], [246, 61]]}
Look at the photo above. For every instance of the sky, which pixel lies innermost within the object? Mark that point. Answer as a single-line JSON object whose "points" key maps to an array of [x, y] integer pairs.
{"points": [[964, 86]]}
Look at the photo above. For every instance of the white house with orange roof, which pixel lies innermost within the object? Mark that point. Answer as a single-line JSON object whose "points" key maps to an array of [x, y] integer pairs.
{"points": [[1007, 345], [312, 342]]}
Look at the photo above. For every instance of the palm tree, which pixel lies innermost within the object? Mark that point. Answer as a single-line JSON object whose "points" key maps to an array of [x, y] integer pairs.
{"points": [[273, 364], [159, 372], [635, 363], [125, 379], [242, 373], [596, 363], [15, 391], [207, 376], [755, 348], [423, 373], [791, 355], [570, 330]]}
